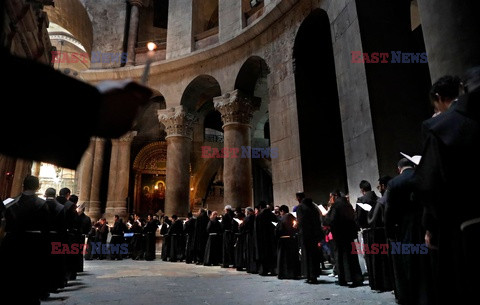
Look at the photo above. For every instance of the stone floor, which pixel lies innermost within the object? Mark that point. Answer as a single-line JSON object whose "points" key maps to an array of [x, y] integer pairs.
{"points": [[140, 282]]}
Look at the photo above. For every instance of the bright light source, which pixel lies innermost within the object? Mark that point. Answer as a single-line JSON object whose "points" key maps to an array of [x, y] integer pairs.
{"points": [[151, 46]]}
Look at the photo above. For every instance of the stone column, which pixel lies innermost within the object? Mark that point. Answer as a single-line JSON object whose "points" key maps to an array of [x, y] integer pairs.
{"points": [[85, 174], [178, 125], [133, 31], [93, 209], [450, 31], [237, 111], [22, 169], [119, 176]]}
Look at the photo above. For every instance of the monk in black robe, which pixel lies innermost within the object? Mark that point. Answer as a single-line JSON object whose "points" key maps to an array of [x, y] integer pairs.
{"points": [[341, 219], [240, 242], [177, 246], [83, 224], [138, 240], [446, 180], [368, 197], [288, 261], [56, 223], [118, 238], [250, 248], [213, 249], [24, 250], [311, 233], [201, 235], [380, 276], [265, 243], [403, 216], [69, 209], [165, 238], [189, 232], [150, 238], [228, 227]]}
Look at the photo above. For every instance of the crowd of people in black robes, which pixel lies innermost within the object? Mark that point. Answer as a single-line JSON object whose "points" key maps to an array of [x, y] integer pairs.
{"points": [[424, 206], [30, 268]]}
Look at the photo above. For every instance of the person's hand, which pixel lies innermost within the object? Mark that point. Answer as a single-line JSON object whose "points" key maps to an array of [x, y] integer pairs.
{"points": [[121, 101]]}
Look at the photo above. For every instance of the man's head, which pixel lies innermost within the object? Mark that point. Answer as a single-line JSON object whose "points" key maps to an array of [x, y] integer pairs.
{"points": [[250, 211], [404, 164], [65, 192], [50, 193], [103, 221], [31, 183], [116, 218], [300, 196], [174, 217], [382, 184], [228, 208], [73, 198], [444, 91], [283, 210], [189, 215], [365, 186], [214, 215], [276, 210]]}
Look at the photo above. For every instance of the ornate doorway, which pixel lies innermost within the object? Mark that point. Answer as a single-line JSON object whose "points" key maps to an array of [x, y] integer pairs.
{"points": [[150, 169]]}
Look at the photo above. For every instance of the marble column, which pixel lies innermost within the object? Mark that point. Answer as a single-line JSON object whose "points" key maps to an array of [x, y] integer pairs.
{"points": [[178, 125], [119, 175], [84, 172], [133, 31], [450, 30], [237, 110], [36, 168], [22, 169], [94, 207]]}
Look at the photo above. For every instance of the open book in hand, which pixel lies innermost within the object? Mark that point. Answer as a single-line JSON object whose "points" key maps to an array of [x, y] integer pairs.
{"points": [[322, 210], [365, 206]]}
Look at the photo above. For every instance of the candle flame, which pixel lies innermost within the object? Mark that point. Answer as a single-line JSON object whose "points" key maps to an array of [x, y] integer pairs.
{"points": [[151, 46]]}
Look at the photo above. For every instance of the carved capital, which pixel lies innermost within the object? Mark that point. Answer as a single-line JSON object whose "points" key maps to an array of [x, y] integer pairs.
{"points": [[236, 107], [177, 121]]}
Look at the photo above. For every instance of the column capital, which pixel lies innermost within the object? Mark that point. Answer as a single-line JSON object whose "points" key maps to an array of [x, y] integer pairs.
{"points": [[177, 121], [236, 107], [138, 3], [128, 137]]}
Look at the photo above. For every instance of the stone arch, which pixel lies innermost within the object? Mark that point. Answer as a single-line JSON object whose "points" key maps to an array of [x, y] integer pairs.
{"points": [[204, 176], [147, 125], [200, 90], [251, 71], [318, 108], [72, 16], [149, 168]]}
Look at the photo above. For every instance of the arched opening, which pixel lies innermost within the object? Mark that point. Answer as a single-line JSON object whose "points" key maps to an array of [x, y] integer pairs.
{"points": [[318, 109], [198, 99], [205, 22], [213, 131], [398, 92], [149, 167], [252, 79]]}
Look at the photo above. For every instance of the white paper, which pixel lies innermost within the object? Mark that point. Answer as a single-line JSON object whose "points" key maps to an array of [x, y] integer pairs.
{"points": [[237, 220], [294, 214], [364, 206], [274, 223], [322, 210], [8, 200]]}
